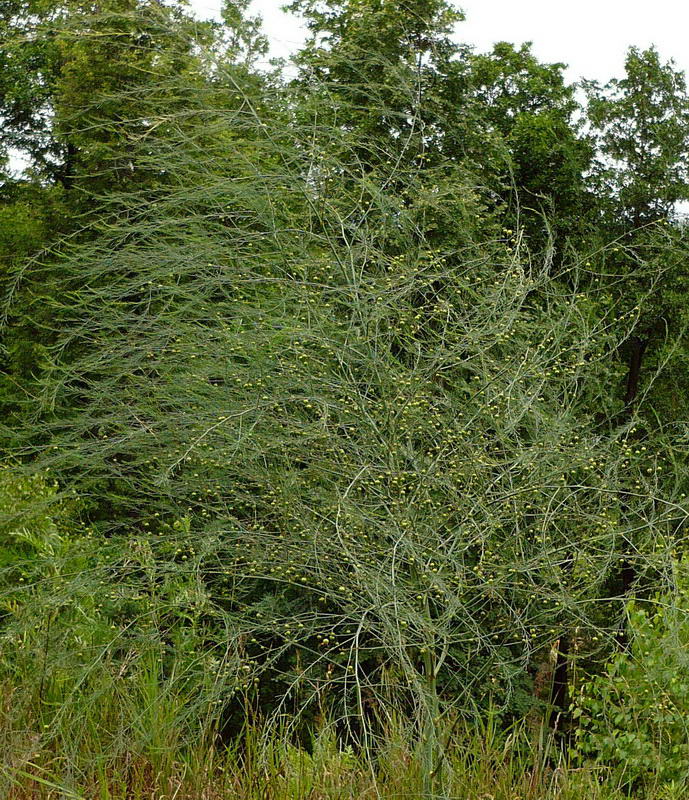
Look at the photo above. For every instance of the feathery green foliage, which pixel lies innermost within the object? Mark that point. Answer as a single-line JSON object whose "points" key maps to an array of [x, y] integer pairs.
{"points": [[319, 436]]}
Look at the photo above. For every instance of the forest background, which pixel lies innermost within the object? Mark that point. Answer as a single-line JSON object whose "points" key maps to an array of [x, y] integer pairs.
{"points": [[343, 410]]}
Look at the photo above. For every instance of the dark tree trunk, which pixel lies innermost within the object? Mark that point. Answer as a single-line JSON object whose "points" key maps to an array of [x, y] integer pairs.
{"points": [[559, 697], [65, 174]]}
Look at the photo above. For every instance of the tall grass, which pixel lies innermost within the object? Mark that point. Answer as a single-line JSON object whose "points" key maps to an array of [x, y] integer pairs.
{"points": [[482, 760]]}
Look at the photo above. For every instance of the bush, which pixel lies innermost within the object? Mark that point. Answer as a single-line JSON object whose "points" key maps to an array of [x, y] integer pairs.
{"points": [[339, 435], [635, 716], [102, 641]]}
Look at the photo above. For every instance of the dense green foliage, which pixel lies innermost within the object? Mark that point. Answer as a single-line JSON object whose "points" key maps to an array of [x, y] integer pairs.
{"points": [[355, 397], [635, 714]]}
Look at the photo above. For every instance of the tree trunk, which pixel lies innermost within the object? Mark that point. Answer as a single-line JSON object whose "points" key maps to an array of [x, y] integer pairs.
{"points": [[65, 174], [636, 355], [559, 696]]}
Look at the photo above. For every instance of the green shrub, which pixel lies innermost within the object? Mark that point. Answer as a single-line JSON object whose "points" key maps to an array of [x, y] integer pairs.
{"points": [[338, 434], [343, 457], [34, 518], [635, 716], [103, 642]]}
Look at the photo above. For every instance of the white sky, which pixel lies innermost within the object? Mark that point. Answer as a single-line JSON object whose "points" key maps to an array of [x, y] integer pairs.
{"points": [[590, 35]]}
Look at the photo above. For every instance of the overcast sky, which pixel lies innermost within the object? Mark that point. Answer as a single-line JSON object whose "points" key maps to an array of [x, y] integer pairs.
{"points": [[589, 35]]}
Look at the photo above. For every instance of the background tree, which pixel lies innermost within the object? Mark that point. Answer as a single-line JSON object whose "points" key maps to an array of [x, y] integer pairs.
{"points": [[78, 85], [386, 60], [640, 124], [533, 109], [390, 76], [641, 127]]}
